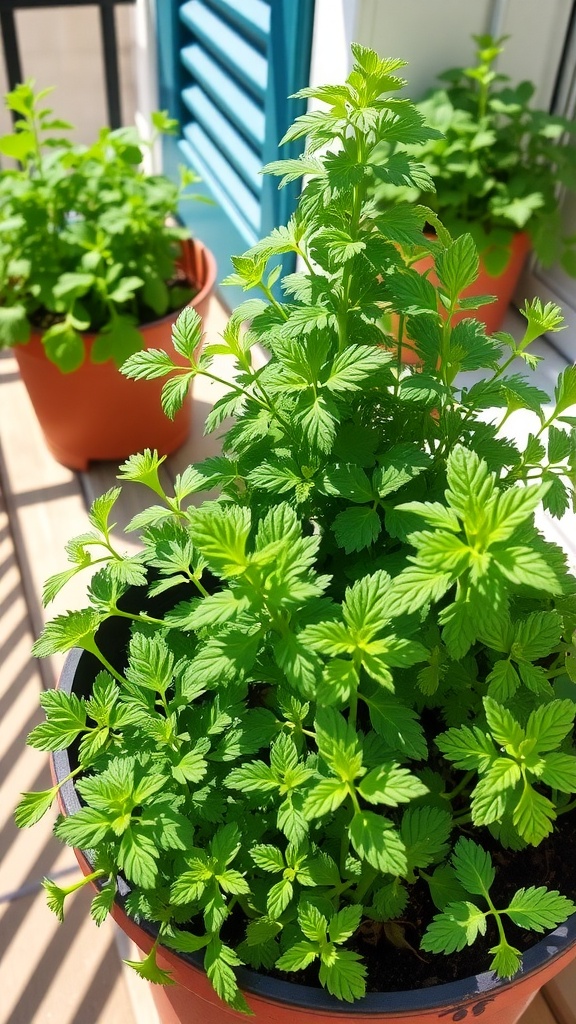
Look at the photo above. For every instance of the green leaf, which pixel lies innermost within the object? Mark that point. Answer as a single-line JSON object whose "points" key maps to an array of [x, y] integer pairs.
{"points": [[151, 663], [85, 828], [174, 393], [398, 724], [33, 806], [221, 535], [262, 930], [269, 858], [344, 975], [118, 340], [391, 784], [64, 346], [559, 772], [147, 365], [504, 728], [187, 333], [399, 465], [325, 798], [148, 969], [137, 857], [415, 587], [445, 887], [507, 960], [539, 909], [389, 901], [14, 326], [533, 816], [473, 867], [550, 723], [73, 629], [349, 482], [375, 840], [279, 896], [191, 767], [425, 832], [317, 417], [254, 777], [102, 903], [298, 956], [457, 266], [468, 747], [55, 897], [218, 963], [66, 715], [357, 528], [565, 390], [343, 925], [457, 926]]}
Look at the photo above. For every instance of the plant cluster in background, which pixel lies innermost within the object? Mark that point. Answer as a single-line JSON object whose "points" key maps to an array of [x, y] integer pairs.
{"points": [[84, 241], [499, 165], [346, 676]]}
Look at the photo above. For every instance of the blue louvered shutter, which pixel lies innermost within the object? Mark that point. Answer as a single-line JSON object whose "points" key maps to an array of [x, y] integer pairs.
{"points": [[227, 68]]}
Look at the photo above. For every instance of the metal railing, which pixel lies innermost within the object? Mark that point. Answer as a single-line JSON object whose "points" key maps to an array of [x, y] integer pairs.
{"points": [[8, 31]]}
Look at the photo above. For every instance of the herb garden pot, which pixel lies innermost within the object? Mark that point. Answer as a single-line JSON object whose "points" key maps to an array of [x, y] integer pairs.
{"points": [[192, 1000], [97, 413]]}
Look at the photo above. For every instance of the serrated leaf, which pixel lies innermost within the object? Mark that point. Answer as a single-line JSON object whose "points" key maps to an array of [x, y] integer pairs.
{"points": [[357, 528], [73, 629], [298, 956], [279, 896], [506, 961], [102, 903], [457, 926], [559, 772], [389, 901], [473, 867], [376, 841], [550, 723], [391, 784], [445, 887], [269, 858], [458, 265], [533, 816], [344, 975], [33, 806], [539, 909], [468, 747], [325, 798], [425, 832]]}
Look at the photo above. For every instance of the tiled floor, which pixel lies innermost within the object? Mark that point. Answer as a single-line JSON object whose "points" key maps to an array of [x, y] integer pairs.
{"points": [[72, 973]]}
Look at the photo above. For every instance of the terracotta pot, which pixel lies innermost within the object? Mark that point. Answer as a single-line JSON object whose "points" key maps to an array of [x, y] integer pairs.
{"points": [[95, 412], [502, 286], [191, 1000]]}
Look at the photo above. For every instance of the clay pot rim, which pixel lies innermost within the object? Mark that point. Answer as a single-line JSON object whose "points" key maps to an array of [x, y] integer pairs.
{"points": [[449, 994]]}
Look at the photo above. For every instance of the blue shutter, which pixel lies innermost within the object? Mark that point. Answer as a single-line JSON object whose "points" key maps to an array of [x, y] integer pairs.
{"points": [[227, 68]]}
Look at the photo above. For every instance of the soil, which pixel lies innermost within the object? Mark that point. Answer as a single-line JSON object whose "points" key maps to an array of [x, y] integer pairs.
{"points": [[393, 969]]}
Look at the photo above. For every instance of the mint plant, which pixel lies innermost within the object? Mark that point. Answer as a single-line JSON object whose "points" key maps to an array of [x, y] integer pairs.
{"points": [[357, 656], [500, 165], [85, 244]]}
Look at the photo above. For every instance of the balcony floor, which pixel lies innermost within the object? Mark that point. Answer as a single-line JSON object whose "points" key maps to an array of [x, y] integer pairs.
{"points": [[72, 972]]}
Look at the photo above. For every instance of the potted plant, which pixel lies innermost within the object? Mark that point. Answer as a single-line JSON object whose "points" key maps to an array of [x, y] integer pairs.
{"points": [[321, 726], [93, 267], [499, 166]]}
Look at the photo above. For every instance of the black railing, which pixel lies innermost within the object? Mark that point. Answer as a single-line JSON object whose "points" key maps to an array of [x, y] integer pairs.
{"points": [[109, 45]]}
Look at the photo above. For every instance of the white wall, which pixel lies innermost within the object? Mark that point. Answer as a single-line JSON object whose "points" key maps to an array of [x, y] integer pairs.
{"points": [[433, 35]]}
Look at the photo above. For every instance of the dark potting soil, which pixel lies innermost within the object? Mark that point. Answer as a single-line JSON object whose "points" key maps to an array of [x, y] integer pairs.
{"points": [[392, 969]]}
